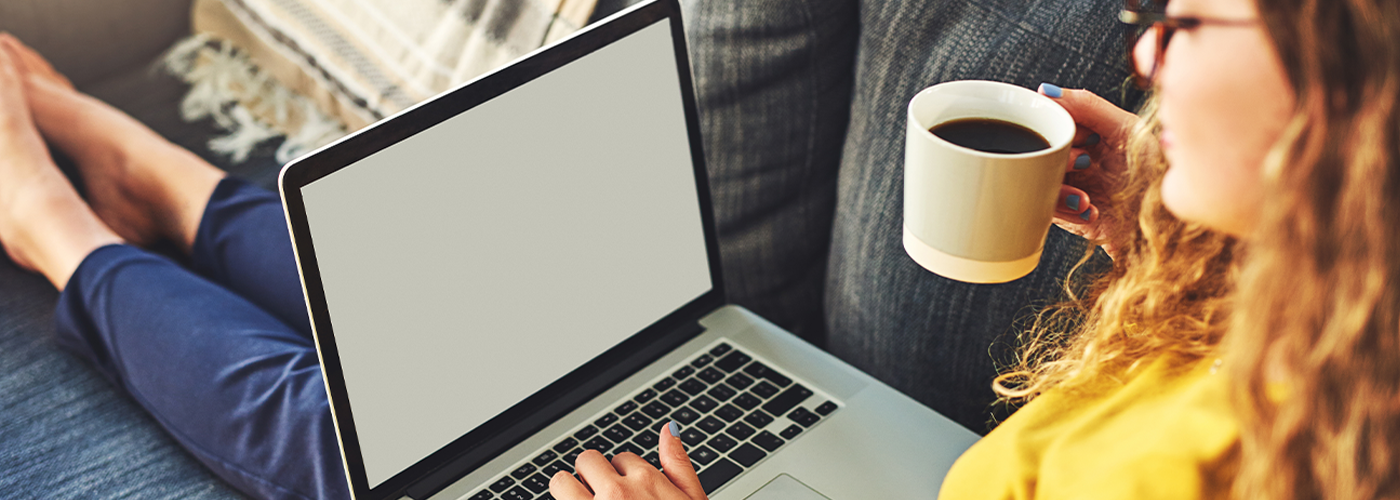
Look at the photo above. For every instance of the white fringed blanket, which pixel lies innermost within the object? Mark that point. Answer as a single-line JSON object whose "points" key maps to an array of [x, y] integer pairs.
{"points": [[312, 69]]}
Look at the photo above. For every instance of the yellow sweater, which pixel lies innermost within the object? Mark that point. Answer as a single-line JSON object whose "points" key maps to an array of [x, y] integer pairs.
{"points": [[1163, 432]]}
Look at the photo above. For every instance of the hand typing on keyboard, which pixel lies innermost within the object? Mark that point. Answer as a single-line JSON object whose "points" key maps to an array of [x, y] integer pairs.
{"points": [[630, 476]]}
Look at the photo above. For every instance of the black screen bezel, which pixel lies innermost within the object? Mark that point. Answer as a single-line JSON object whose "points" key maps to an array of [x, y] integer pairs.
{"points": [[577, 387]]}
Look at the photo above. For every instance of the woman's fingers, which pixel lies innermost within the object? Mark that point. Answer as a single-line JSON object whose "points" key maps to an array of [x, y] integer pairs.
{"points": [[629, 464], [1079, 160], [1093, 112], [593, 468], [1073, 202], [564, 486], [676, 464]]}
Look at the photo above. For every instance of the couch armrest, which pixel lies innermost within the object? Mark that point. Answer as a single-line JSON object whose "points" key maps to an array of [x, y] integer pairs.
{"points": [[90, 39]]}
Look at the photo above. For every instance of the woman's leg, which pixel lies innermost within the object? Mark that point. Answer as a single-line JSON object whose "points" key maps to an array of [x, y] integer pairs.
{"points": [[235, 386], [149, 189]]}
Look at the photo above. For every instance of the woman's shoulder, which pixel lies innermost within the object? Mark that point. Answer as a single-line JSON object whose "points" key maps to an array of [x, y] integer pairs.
{"points": [[1164, 430]]}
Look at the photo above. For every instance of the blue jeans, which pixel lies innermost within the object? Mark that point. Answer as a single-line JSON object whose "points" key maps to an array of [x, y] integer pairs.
{"points": [[220, 353], [802, 108]]}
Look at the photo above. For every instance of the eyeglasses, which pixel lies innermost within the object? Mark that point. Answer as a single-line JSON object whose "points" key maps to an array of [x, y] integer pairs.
{"points": [[1152, 20]]}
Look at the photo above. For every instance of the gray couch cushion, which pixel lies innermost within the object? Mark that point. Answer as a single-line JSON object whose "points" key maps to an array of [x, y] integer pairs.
{"points": [[90, 40]]}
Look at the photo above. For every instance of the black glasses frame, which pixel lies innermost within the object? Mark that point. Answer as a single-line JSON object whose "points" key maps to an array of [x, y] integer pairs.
{"points": [[1163, 26]]}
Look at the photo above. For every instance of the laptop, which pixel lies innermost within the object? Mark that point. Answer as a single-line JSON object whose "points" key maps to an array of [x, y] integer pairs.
{"points": [[526, 266]]}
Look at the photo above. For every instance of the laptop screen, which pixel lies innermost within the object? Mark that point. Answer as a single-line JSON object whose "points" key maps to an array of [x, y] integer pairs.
{"points": [[469, 266]]}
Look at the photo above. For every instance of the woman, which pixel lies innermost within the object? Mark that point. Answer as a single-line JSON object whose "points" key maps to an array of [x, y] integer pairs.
{"points": [[1247, 342]]}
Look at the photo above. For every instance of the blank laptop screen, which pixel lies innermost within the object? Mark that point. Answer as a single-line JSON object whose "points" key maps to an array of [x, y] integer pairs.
{"points": [[471, 265]]}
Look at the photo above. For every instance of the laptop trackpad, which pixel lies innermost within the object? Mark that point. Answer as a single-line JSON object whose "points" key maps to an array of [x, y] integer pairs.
{"points": [[784, 487]]}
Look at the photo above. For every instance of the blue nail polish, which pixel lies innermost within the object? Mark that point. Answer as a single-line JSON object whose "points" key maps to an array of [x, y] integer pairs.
{"points": [[1088, 214], [1082, 162], [1051, 90], [675, 432], [1092, 139], [1072, 201]]}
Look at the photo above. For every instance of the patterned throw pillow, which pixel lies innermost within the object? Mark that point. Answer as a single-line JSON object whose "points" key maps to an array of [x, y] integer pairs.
{"points": [[313, 69]]}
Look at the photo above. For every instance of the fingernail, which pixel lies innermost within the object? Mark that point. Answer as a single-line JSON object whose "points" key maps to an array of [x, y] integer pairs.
{"points": [[1082, 162], [675, 432], [1092, 139], [1051, 90], [1072, 201], [1088, 214]]}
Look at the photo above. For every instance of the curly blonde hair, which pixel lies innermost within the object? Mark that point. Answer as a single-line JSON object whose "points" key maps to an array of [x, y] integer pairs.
{"points": [[1310, 305]]}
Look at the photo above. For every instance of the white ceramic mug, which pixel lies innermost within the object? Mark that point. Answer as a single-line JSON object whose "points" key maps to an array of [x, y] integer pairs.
{"points": [[975, 216]]}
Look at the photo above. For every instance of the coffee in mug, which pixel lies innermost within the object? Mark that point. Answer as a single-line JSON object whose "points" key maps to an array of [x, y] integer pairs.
{"points": [[983, 166]]}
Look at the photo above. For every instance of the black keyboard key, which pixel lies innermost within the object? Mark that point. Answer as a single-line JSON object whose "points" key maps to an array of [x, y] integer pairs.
{"points": [[656, 409], [482, 495], [723, 443], [645, 396], [536, 483], [710, 375], [791, 432], [647, 440], [565, 445], [517, 493], [703, 404], [545, 496], [764, 390], [826, 408], [740, 431], [598, 443], [768, 441], [685, 416], [790, 398], [758, 419], [504, 484], [762, 371], [701, 361], [747, 401], [747, 455], [719, 350], [571, 457], [653, 459], [524, 471], [675, 398], [682, 373], [585, 433], [722, 392], [703, 455], [739, 381], [545, 458], [636, 421], [734, 361], [625, 408], [729, 413], [716, 475], [694, 387], [804, 417], [618, 433], [711, 425], [554, 467], [629, 448], [692, 436], [607, 420], [665, 383]]}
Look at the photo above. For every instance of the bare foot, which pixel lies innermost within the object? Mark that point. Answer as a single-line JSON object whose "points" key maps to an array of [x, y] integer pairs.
{"points": [[44, 225], [31, 63], [144, 187]]}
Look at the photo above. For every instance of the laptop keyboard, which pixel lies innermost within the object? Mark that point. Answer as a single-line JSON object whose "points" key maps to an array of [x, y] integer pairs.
{"points": [[733, 412]]}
